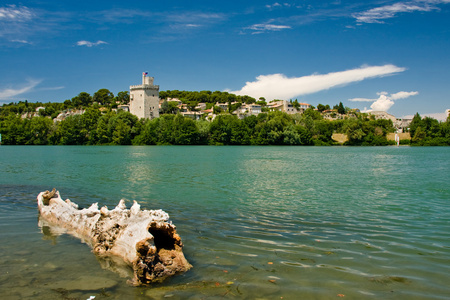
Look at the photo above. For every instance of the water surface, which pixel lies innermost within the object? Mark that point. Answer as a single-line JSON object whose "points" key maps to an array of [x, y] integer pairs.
{"points": [[257, 222]]}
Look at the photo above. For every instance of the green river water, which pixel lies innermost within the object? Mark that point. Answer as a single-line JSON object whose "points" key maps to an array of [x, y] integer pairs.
{"points": [[256, 222]]}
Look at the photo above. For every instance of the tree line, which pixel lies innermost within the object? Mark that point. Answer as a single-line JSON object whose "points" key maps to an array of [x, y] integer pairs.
{"points": [[429, 131], [122, 128], [101, 124]]}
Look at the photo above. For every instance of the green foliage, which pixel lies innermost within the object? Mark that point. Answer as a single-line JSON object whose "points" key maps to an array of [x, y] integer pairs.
{"points": [[18, 131], [168, 107], [206, 97], [321, 107], [21, 124], [164, 107], [103, 97], [340, 108], [122, 98], [429, 132], [82, 100], [364, 132]]}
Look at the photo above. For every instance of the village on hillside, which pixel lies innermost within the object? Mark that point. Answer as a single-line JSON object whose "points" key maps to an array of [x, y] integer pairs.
{"points": [[145, 116], [145, 98]]}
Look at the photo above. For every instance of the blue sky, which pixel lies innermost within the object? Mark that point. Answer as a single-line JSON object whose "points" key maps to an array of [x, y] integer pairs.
{"points": [[379, 55]]}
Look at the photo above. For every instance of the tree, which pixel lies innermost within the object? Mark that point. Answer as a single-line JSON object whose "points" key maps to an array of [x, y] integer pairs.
{"points": [[217, 109], [314, 114], [165, 107], [39, 128], [85, 99], [234, 106], [321, 107], [103, 97], [419, 135], [355, 133], [123, 97], [416, 122], [262, 103], [191, 105], [341, 108], [185, 131]]}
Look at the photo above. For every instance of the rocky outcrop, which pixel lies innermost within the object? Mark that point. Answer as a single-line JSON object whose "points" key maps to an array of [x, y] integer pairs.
{"points": [[145, 240]]}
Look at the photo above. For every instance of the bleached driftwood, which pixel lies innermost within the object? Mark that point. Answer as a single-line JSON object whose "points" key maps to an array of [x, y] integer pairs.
{"points": [[144, 239]]}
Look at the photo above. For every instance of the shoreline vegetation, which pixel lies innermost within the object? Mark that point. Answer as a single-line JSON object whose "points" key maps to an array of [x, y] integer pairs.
{"points": [[96, 121]]}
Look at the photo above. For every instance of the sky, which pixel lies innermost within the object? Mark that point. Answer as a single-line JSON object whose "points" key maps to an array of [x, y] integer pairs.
{"points": [[392, 56]]}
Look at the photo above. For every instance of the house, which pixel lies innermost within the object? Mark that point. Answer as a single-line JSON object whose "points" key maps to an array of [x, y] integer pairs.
{"points": [[123, 107], [288, 107], [304, 106], [254, 109], [276, 106], [194, 115], [331, 114], [201, 106], [183, 108], [176, 100], [223, 106]]}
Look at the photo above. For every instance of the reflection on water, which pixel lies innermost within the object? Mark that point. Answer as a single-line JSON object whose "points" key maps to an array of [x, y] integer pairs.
{"points": [[51, 232], [256, 222]]}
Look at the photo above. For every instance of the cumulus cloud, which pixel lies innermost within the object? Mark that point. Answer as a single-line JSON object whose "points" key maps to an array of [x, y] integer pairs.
{"points": [[385, 101], [90, 44], [378, 14], [279, 86], [9, 93]]}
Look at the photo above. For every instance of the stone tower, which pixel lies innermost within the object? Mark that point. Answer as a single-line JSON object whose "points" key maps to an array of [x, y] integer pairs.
{"points": [[144, 98]]}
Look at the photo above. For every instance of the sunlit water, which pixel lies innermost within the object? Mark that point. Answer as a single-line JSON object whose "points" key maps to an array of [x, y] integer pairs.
{"points": [[256, 222]]}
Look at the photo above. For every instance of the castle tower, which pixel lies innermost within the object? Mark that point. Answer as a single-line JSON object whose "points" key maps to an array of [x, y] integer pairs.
{"points": [[144, 98]]}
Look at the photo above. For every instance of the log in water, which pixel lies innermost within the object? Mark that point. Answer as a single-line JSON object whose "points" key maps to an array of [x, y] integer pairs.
{"points": [[144, 239]]}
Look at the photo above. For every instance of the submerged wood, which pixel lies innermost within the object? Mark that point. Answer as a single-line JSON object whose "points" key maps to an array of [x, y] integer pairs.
{"points": [[144, 239]]}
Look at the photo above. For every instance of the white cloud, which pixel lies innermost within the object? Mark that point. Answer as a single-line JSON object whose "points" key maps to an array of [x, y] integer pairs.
{"points": [[403, 95], [186, 18], [14, 22], [378, 14], [279, 86], [55, 88], [384, 101], [90, 44], [276, 4], [260, 28], [15, 14], [9, 93], [22, 42]]}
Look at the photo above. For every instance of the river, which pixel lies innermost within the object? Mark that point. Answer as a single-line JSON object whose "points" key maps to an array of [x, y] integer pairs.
{"points": [[256, 222]]}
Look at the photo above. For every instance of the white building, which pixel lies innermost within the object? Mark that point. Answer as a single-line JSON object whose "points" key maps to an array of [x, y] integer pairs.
{"points": [[144, 98], [288, 107]]}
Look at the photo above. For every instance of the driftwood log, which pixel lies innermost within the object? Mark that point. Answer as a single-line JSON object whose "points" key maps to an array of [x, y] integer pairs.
{"points": [[144, 239]]}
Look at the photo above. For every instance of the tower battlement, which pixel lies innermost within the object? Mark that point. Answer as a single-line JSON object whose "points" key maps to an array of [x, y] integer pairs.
{"points": [[140, 86]]}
